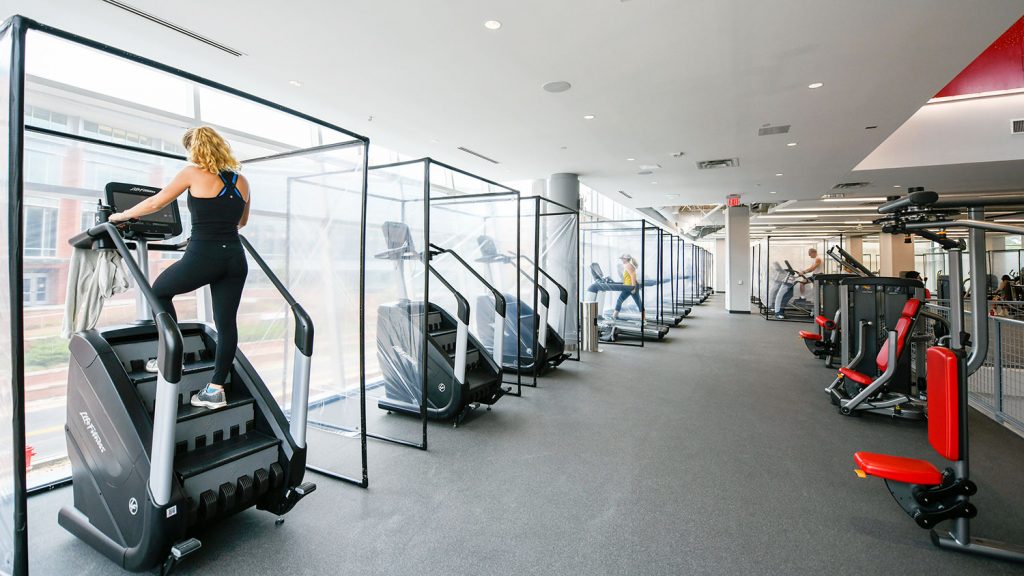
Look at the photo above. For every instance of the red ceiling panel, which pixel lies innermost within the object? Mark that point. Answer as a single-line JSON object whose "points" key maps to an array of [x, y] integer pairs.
{"points": [[999, 67]]}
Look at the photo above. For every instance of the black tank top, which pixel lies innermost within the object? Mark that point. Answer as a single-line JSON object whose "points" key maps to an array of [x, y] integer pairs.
{"points": [[217, 218]]}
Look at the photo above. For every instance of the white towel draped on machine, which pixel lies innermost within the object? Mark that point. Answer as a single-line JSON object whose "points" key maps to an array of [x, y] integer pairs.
{"points": [[94, 276]]}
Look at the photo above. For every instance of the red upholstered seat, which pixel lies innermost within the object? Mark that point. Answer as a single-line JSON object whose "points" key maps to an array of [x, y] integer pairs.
{"points": [[824, 322], [858, 377], [898, 468], [943, 426], [810, 335]]}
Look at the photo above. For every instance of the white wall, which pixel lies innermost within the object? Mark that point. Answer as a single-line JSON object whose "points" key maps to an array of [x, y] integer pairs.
{"points": [[737, 261]]}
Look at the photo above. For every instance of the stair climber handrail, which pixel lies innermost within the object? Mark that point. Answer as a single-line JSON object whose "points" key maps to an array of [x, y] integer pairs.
{"points": [[303, 349], [499, 300], [462, 329], [170, 353]]}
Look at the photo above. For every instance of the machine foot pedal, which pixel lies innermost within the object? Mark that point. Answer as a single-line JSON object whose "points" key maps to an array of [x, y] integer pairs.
{"points": [[179, 551], [305, 489]]}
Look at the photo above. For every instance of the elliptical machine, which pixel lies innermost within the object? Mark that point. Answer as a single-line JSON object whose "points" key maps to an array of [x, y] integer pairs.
{"points": [[149, 470]]}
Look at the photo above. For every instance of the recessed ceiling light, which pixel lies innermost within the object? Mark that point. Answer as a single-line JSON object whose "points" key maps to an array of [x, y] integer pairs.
{"points": [[630, 159], [492, 24], [896, 186], [295, 83], [791, 144], [434, 141], [778, 173], [814, 85], [773, 192], [654, 181], [589, 116], [565, 147], [556, 86]]}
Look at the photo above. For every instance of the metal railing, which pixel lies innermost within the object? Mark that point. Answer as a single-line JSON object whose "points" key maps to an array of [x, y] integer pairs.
{"points": [[997, 387]]}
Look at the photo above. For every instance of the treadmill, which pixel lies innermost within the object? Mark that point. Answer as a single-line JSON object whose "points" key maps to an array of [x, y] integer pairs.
{"points": [[609, 327], [150, 471]]}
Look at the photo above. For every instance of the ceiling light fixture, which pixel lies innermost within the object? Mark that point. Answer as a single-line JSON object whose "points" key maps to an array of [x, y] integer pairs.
{"points": [[630, 159], [295, 83], [851, 209], [654, 181], [897, 186], [862, 199], [773, 192], [492, 24], [814, 85], [556, 86], [778, 173], [589, 116], [791, 144]]}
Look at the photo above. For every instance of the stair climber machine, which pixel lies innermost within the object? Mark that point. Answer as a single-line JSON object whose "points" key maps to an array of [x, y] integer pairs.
{"points": [[927, 494], [609, 328], [460, 374], [149, 470], [539, 350]]}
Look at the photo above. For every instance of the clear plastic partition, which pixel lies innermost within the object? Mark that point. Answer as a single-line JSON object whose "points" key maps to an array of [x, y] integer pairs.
{"points": [[396, 294], [789, 266], [612, 274], [11, 478], [93, 117], [475, 232], [667, 244], [550, 248], [655, 283], [306, 224]]}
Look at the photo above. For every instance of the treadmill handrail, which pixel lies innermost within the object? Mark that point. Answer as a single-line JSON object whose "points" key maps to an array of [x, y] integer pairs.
{"points": [[170, 353], [499, 299], [303, 323]]}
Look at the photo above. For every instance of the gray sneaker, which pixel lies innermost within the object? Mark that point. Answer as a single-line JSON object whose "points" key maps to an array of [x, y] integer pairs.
{"points": [[209, 398]]}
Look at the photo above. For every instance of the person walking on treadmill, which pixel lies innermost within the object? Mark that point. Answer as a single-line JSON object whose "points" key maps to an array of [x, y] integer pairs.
{"points": [[786, 291], [630, 287], [218, 199]]}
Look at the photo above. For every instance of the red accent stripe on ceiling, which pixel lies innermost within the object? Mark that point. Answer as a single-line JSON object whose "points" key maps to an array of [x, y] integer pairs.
{"points": [[999, 67]]}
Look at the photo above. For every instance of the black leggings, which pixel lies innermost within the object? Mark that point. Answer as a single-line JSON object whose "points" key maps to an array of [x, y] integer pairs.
{"points": [[223, 267]]}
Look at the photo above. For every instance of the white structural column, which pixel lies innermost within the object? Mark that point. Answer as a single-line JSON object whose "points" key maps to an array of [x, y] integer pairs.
{"points": [[564, 188], [719, 266], [737, 261], [894, 255]]}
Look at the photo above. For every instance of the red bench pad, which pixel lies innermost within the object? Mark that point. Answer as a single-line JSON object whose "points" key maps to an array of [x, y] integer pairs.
{"points": [[810, 335], [858, 377], [909, 470], [824, 322]]}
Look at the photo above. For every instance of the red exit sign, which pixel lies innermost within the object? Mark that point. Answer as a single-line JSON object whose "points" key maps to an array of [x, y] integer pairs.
{"points": [[731, 201]]}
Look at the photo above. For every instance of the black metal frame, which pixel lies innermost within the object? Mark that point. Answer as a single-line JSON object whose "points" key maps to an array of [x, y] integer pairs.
{"points": [[429, 270], [538, 216], [18, 27], [767, 311], [641, 225]]}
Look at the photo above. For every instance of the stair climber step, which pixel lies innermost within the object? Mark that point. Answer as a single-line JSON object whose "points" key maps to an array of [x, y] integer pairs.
{"points": [[213, 426], [205, 470], [194, 377]]}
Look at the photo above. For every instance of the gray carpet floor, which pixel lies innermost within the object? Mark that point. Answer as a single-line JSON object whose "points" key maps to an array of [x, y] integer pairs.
{"points": [[713, 452]]}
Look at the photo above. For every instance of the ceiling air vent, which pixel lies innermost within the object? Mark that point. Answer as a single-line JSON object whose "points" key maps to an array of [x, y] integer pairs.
{"points": [[1017, 126], [479, 155], [724, 163], [624, 194], [850, 185], [171, 26], [645, 172], [772, 130]]}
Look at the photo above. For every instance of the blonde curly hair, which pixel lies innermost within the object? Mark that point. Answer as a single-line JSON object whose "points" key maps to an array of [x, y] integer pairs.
{"points": [[208, 150]]}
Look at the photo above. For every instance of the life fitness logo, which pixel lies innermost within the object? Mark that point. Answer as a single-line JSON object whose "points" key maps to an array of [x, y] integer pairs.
{"points": [[91, 429]]}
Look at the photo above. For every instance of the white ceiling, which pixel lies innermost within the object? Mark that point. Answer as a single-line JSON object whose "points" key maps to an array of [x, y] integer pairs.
{"points": [[661, 76]]}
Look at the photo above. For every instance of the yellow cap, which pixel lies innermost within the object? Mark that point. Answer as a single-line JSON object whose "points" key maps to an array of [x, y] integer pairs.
{"points": [[860, 473]]}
